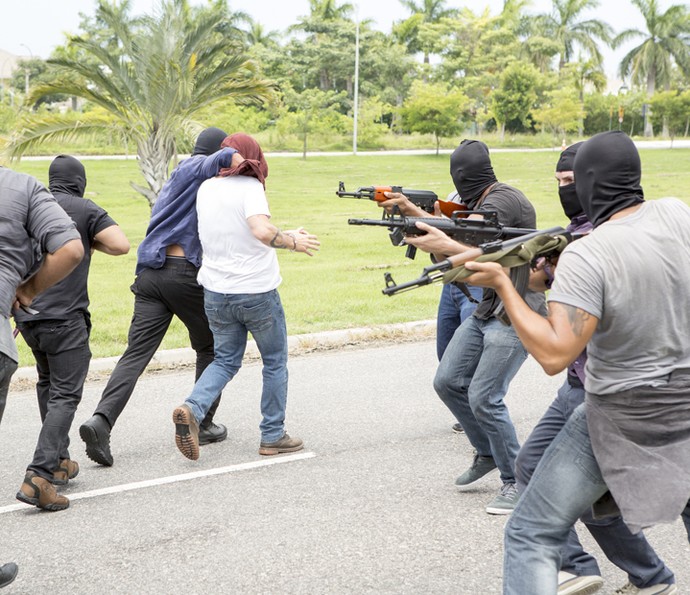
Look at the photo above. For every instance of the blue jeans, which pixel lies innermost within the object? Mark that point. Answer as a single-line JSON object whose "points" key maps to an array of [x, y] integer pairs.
{"points": [[472, 379], [631, 552], [453, 307], [565, 483], [231, 318]]}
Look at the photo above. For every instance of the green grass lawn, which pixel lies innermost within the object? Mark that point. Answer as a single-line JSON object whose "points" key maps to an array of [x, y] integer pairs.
{"points": [[341, 286]]}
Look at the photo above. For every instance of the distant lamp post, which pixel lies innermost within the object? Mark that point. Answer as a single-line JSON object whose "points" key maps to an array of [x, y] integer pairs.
{"points": [[356, 90], [26, 70], [622, 90]]}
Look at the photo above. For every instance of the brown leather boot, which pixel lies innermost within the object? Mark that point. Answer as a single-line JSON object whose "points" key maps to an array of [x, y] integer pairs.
{"points": [[285, 444], [67, 470], [186, 432], [40, 492]]}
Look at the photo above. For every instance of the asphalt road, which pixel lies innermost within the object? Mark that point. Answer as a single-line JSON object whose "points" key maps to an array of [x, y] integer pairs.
{"points": [[368, 507]]}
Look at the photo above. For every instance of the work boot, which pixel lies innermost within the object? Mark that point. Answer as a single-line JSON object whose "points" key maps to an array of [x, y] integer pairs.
{"points": [[95, 432], [211, 432], [67, 470], [186, 432], [39, 492], [285, 444], [8, 572]]}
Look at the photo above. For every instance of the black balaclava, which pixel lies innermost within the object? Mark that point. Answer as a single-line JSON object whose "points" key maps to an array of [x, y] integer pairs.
{"points": [[607, 175], [568, 195], [208, 142], [66, 175], [470, 168]]}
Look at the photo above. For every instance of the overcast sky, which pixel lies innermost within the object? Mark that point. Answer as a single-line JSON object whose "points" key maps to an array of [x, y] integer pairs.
{"points": [[37, 26]]}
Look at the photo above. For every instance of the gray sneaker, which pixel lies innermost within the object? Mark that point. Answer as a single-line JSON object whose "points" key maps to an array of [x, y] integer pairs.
{"points": [[505, 501], [479, 468], [572, 584], [661, 589]]}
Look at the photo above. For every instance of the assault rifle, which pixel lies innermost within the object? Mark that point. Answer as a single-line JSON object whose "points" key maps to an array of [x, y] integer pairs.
{"points": [[435, 272], [473, 232], [424, 199]]}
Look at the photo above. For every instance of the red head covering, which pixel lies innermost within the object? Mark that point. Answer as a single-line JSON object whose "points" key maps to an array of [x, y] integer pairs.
{"points": [[254, 163]]}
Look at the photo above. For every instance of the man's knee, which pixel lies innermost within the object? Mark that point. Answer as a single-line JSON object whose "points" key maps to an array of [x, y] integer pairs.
{"points": [[442, 382]]}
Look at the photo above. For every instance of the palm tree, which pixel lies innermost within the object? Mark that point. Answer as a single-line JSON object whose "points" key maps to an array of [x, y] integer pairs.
{"points": [[429, 11], [563, 26], [328, 10], [258, 35], [168, 67], [667, 37]]}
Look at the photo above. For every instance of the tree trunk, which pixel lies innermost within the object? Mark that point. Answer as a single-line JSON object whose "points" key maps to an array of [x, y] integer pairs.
{"points": [[324, 80], [154, 155], [651, 82], [503, 131]]}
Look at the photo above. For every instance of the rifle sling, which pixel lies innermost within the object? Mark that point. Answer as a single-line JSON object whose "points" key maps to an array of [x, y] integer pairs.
{"points": [[517, 256]]}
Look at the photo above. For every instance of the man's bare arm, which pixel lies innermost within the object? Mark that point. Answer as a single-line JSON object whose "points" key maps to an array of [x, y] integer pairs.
{"points": [[111, 240], [54, 268], [297, 240]]}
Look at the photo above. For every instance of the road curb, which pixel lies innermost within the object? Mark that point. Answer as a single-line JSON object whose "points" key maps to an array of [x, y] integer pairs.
{"points": [[25, 377]]}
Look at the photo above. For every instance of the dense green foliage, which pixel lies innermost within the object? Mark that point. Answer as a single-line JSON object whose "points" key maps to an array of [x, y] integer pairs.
{"points": [[148, 83]]}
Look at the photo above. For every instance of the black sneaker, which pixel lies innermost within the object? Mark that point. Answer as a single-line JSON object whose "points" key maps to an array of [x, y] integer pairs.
{"points": [[8, 572], [212, 432], [480, 467]]}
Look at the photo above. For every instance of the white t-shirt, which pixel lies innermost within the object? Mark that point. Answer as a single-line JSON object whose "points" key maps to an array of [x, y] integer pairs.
{"points": [[234, 261], [633, 274]]}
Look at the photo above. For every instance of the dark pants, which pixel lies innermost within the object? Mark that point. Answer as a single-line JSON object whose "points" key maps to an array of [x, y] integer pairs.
{"points": [[159, 294], [632, 553], [7, 367], [61, 350]]}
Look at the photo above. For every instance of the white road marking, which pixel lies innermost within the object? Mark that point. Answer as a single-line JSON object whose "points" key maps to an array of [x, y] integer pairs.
{"points": [[149, 483]]}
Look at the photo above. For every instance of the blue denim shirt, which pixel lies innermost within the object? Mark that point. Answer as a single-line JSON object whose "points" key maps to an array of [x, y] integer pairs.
{"points": [[173, 217]]}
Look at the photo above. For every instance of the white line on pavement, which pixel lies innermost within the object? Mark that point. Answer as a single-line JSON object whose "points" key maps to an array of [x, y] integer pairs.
{"points": [[139, 485]]}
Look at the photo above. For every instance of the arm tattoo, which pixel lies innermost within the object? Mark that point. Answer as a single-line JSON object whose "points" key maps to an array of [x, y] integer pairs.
{"points": [[278, 240], [577, 319]]}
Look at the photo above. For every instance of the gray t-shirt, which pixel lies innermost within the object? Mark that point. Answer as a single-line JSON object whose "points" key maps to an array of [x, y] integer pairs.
{"points": [[633, 274], [30, 221]]}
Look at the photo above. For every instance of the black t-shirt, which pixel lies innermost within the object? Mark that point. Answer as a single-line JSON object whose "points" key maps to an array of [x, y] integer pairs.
{"points": [[513, 210], [70, 296]]}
